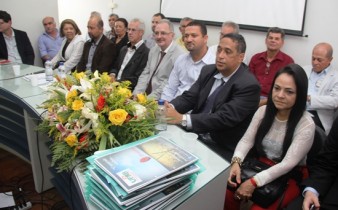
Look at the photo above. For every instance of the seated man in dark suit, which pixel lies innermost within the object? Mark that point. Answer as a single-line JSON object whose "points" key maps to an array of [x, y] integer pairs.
{"points": [[223, 99], [133, 57], [14, 44], [99, 52], [322, 186]]}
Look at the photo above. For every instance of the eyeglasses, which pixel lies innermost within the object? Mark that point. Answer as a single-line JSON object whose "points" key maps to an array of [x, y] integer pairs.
{"points": [[267, 69], [132, 29], [162, 33]]}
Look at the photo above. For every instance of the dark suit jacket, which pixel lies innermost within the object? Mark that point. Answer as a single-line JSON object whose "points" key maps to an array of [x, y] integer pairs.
{"points": [[123, 42], [232, 110], [104, 56], [23, 44], [324, 172], [134, 67]]}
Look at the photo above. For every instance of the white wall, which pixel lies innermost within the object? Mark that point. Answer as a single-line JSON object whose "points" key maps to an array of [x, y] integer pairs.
{"points": [[320, 24], [79, 11]]}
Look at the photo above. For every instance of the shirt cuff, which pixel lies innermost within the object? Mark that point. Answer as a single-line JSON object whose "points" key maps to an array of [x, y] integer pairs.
{"points": [[311, 189], [189, 124]]}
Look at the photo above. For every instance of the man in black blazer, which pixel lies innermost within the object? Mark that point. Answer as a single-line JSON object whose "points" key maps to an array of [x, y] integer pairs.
{"points": [[322, 186], [133, 57], [22, 50], [99, 53], [223, 99]]}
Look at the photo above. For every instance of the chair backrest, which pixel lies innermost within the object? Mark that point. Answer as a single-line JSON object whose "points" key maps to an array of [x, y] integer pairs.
{"points": [[317, 145]]}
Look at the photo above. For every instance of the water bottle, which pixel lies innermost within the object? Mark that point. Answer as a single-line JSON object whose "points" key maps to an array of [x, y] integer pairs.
{"points": [[61, 71], [161, 122], [49, 71]]}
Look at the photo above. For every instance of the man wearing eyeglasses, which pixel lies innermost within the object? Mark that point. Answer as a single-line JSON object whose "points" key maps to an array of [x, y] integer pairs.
{"points": [[183, 24], [323, 86], [133, 57], [160, 63], [264, 65]]}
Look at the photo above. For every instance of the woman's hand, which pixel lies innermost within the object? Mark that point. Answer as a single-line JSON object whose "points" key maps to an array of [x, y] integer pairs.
{"points": [[235, 175]]}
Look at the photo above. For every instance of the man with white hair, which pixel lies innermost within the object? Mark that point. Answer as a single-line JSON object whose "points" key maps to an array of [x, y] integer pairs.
{"points": [[133, 57], [160, 63], [323, 86], [50, 41]]}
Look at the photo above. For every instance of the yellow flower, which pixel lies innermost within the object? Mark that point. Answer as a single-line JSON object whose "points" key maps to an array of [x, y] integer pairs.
{"points": [[77, 105], [141, 98], [71, 95], [105, 77], [71, 140], [80, 75], [118, 116], [124, 92]]}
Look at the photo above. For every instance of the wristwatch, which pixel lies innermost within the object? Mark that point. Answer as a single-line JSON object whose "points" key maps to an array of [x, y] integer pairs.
{"points": [[184, 120]]}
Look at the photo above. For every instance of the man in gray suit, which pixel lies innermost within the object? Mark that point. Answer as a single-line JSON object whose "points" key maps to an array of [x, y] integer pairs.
{"points": [[323, 86], [133, 57], [223, 99], [161, 60]]}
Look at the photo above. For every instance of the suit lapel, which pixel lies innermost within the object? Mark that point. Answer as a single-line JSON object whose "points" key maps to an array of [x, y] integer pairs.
{"points": [[205, 89], [224, 92], [326, 81]]}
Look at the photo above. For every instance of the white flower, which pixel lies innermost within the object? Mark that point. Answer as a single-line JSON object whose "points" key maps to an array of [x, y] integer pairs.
{"points": [[89, 114], [140, 111]]}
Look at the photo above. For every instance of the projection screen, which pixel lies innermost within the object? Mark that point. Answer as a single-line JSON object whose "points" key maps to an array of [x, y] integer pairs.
{"points": [[249, 14]]}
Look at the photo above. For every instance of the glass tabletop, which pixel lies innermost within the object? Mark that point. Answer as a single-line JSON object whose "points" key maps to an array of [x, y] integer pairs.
{"points": [[6, 71]]}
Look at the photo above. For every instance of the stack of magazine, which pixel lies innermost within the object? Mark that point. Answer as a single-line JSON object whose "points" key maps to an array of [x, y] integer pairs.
{"points": [[147, 174]]}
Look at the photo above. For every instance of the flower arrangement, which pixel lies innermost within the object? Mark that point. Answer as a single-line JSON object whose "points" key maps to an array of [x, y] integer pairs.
{"points": [[86, 113]]}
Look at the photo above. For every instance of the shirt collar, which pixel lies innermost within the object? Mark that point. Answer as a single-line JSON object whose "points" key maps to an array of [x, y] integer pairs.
{"points": [[57, 33], [325, 71], [137, 45], [98, 41], [225, 79], [208, 58], [7, 37], [279, 56], [168, 48]]}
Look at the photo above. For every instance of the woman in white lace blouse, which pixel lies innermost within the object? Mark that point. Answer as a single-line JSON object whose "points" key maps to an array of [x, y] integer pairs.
{"points": [[281, 133]]}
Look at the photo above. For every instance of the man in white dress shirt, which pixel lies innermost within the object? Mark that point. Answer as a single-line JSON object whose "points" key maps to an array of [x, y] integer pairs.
{"points": [[323, 86], [188, 66]]}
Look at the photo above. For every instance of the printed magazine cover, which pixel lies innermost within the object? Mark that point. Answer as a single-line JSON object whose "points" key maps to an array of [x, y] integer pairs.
{"points": [[145, 163]]}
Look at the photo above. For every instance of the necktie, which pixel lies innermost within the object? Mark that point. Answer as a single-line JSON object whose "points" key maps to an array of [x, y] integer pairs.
{"points": [[149, 87], [211, 99]]}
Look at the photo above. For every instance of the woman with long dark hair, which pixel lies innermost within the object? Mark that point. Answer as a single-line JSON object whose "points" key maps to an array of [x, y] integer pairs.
{"points": [[280, 134]]}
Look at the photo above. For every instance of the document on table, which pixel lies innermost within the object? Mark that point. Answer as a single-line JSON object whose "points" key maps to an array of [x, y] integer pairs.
{"points": [[6, 200]]}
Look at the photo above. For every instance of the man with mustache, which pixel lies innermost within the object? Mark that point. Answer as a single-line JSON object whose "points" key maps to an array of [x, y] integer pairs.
{"points": [[99, 53], [160, 63], [264, 65], [223, 99]]}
